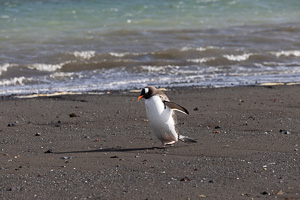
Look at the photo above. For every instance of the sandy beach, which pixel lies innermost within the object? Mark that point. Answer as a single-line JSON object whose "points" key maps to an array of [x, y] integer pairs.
{"points": [[101, 146]]}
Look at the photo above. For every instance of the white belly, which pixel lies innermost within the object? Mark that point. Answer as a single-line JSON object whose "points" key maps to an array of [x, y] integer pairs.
{"points": [[161, 120]]}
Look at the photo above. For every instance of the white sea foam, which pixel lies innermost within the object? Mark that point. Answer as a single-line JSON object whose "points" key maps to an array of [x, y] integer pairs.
{"points": [[14, 81], [280, 64], [192, 48], [117, 54], [62, 75], [199, 48], [238, 57], [45, 67], [201, 60], [154, 68], [286, 53], [4, 67], [84, 54]]}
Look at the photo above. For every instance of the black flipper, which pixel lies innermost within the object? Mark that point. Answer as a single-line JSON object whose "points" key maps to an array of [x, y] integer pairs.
{"points": [[175, 106]]}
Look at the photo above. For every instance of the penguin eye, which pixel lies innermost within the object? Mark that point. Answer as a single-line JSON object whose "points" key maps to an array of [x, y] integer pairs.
{"points": [[146, 90]]}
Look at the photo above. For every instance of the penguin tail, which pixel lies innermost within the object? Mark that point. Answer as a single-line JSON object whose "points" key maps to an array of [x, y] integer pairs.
{"points": [[187, 139]]}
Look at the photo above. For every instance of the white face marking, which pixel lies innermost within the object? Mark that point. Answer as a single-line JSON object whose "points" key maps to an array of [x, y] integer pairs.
{"points": [[146, 90]]}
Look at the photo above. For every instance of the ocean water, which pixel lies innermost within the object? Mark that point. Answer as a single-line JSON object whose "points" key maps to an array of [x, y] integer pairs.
{"points": [[97, 45]]}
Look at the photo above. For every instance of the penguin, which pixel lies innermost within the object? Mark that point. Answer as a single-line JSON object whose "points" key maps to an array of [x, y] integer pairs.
{"points": [[161, 116]]}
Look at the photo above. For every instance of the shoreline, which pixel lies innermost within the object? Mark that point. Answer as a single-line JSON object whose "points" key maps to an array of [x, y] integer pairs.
{"points": [[102, 92], [248, 141]]}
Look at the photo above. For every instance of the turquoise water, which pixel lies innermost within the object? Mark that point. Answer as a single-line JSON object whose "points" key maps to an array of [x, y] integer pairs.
{"points": [[66, 45]]}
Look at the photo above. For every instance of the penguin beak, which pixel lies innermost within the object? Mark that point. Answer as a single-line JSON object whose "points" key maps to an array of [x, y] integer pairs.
{"points": [[140, 97]]}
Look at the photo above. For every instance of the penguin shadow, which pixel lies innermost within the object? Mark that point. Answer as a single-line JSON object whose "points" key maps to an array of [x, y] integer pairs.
{"points": [[106, 150]]}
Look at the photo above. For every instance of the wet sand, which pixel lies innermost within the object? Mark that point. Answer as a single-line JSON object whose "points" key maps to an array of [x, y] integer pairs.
{"points": [[100, 146]]}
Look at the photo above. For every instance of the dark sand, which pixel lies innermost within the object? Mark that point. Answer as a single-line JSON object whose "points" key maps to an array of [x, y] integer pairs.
{"points": [[106, 151]]}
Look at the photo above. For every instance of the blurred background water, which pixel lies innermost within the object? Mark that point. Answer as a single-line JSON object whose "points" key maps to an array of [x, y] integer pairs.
{"points": [[79, 46]]}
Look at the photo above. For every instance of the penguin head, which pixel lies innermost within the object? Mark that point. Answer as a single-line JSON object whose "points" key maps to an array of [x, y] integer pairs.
{"points": [[147, 92]]}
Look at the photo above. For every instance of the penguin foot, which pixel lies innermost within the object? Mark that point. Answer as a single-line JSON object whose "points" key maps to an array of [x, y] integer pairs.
{"points": [[187, 139]]}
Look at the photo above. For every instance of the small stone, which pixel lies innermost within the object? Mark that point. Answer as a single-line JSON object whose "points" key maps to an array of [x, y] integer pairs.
{"points": [[281, 181], [37, 134], [66, 157], [73, 115], [251, 117], [114, 157], [264, 193], [217, 127], [284, 132], [49, 151], [211, 181], [280, 192], [185, 179], [196, 109], [10, 125]]}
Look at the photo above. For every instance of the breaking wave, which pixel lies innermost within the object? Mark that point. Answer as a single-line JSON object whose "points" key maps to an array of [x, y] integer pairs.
{"points": [[238, 57], [45, 67], [295, 53], [84, 54], [4, 67], [15, 81]]}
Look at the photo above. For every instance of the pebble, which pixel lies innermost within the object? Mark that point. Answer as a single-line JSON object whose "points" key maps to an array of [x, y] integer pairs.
{"points": [[49, 151], [264, 193], [37, 134], [284, 132], [185, 179], [66, 157], [73, 115], [114, 157], [280, 192], [14, 189], [10, 125]]}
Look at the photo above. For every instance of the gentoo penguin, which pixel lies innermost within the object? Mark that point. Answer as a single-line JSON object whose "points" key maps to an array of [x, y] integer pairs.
{"points": [[161, 116]]}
